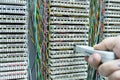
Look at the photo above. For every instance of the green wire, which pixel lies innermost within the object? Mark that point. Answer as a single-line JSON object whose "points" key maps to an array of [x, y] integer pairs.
{"points": [[38, 56]]}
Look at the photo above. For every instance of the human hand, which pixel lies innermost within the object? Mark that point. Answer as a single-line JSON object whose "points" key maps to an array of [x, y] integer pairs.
{"points": [[109, 69]]}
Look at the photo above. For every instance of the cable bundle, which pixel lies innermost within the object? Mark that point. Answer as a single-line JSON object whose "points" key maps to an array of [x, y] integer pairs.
{"points": [[38, 32]]}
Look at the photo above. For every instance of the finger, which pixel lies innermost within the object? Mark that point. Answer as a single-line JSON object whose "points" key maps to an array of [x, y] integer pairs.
{"points": [[86, 58], [115, 75], [94, 60], [108, 68], [106, 44], [116, 49]]}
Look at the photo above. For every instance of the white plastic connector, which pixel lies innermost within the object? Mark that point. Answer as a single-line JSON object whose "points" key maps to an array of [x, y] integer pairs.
{"points": [[69, 11], [14, 75], [13, 38], [74, 37], [15, 58], [10, 9], [111, 20], [13, 54], [17, 66], [64, 54], [70, 3], [13, 19], [112, 13], [72, 76], [111, 28], [66, 61], [106, 35], [20, 2], [69, 28], [65, 45], [13, 47], [68, 69], [68, 20], [112, 6], [13, 29]]}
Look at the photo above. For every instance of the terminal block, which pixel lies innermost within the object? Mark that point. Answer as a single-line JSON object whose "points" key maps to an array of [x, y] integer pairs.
{"points": [[13, 47], [70, 3], [18, 58], [69, 11], [13, 66], [65, 45], [112, 6], [112, 13], [64, 54], [14, 75], [111, 28], [72, 76], [68, 69], [13, 29], [13, 38], [68, 37], [69, 28], [15, 2], [68, 20], [13, 19], [2, 55], [111, 20], [105, 35], [10, 9], [67, 61]]}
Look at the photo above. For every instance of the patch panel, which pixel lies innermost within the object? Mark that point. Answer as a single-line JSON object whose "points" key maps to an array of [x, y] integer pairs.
{"points": [[68, 69], [111, 20], [64, 54], [13, 75], [73, 76], [113, 28], [58, 37], [13, 29], [68, 20], [13, 19], [112, 6], [13, 47], [67, 61], [65, 32], [105, 35], [65, 45], [18, 2], [69, 28], [70, 3], [13, 9], [69, 11], [112, 13], [13, 38]]}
